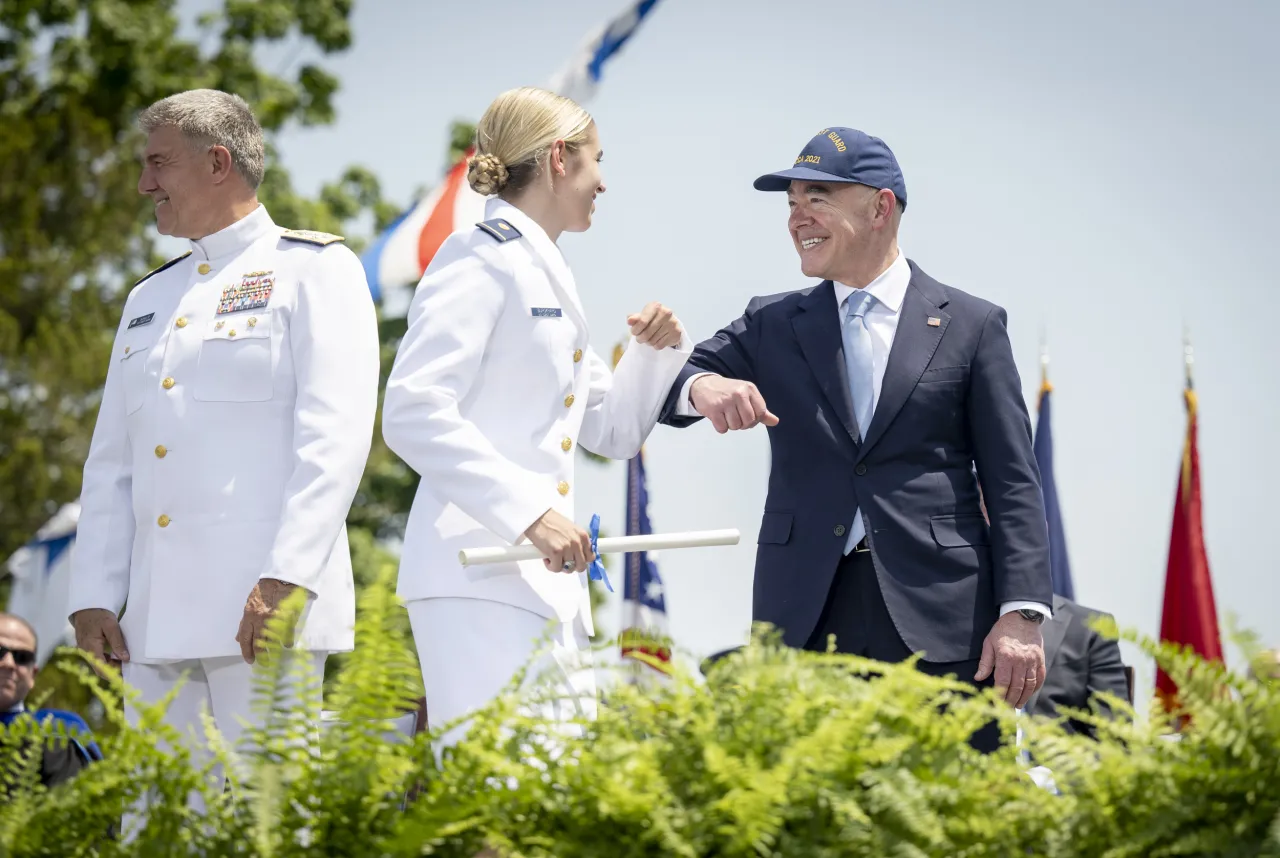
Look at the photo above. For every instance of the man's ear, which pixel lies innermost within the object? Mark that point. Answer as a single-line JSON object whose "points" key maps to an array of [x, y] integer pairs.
{"points": [[886, 206], [220, 163]]}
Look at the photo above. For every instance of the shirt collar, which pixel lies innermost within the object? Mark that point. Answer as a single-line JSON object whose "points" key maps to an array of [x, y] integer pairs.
{"points": [[540, 243], [20, 706], [234, 238], [497, 207], [889, 288]]}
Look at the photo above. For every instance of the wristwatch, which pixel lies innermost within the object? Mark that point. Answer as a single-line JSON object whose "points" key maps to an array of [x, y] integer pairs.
{"points": [[1031, 614]]}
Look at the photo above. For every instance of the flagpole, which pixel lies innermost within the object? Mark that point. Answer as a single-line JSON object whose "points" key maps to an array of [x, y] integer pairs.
{"points": [[1045, 386], [630, 571], [1188, 354]]}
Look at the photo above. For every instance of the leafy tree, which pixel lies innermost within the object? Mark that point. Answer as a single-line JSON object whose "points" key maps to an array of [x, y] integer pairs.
{"points": [[75, 234]]}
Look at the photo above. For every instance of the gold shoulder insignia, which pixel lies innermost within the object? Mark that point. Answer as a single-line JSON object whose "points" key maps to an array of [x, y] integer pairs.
{"points": [[168, 264], [310, 236], [500, 229]]}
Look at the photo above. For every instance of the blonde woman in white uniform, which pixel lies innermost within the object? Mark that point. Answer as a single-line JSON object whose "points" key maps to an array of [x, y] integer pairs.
{"points": [[493, 388]]}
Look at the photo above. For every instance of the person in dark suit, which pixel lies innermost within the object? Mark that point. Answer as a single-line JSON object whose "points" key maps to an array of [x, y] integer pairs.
{"points": [[1079, 663], [62, 758], [884, 390]]}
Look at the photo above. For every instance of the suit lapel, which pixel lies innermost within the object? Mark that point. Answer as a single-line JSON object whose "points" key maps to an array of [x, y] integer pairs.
{"points": [[817, 328], [913, 346]]}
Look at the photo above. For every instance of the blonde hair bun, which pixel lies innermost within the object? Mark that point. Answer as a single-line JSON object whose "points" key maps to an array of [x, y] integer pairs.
{"points": [[487, 175], [516, 132]]}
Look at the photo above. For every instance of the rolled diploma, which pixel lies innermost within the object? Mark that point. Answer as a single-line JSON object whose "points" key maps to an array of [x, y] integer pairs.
{"points": [[607, 545]]}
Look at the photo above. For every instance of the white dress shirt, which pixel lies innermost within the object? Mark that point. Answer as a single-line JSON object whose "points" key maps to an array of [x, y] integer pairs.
{"points": [[889, 290]]}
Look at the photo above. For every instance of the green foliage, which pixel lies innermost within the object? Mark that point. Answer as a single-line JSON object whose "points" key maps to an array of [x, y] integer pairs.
{"points": [[777, 753]]}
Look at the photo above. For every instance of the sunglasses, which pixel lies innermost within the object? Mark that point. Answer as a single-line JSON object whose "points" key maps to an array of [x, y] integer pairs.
{"points": [[21, 657]]}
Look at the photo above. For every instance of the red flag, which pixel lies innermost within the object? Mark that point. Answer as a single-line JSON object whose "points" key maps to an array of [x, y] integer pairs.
{"points": [[1190, 615]]}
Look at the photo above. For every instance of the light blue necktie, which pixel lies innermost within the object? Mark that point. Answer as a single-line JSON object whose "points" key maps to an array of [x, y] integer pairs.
{"points": [[858, 368]]}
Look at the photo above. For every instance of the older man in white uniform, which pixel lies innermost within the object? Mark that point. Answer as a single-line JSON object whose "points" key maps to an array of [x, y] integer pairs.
{"points": [[234, 427]]}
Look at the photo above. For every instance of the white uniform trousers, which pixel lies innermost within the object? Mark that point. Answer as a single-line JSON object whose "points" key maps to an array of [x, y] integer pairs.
{"points": [[470, 649], [220, 687]]}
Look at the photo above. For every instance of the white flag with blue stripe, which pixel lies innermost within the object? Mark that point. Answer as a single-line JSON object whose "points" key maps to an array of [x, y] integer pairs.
{"points": [[578, 79]]}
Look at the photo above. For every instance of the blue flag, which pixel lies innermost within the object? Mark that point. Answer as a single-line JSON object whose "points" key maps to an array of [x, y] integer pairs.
{"points": [[1058, 562], [644, 636]]}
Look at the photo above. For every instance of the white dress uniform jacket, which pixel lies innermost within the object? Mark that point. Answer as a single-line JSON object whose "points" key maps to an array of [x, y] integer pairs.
{"points": [[234, 427], [493, 387]]}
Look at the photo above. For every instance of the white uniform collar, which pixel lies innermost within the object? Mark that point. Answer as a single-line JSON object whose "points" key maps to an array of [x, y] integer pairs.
{"points": [[20, 706], [543, 248], [234, 238], [889, 288], [496, 207]]}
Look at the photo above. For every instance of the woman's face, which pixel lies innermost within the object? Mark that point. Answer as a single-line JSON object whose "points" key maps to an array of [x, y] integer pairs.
{"points": [[581, 182]]}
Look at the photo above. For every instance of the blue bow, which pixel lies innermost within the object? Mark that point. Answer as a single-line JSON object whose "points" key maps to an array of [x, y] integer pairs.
{"points": [[596, 570]]}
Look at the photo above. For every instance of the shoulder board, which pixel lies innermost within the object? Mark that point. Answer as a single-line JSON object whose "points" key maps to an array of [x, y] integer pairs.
{"points": [[168, 264], [499, 229], [310, 236]]}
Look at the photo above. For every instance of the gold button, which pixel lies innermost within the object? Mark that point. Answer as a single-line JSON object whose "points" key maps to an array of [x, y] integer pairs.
{"points": [[126, 349], [163, 521], [203, 268], [568, 401], [218, 326], [253, 320], [182, 322], [168, 383], [577, 355], [563, 488], [161, 452], [231, 333], [566, 445]]}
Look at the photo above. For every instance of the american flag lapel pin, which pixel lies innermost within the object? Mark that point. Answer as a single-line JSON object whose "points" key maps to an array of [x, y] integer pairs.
{"points": [[934, 321]]}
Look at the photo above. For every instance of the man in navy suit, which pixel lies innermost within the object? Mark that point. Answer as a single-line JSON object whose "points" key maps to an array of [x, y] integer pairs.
{"points": [[889, 398]]}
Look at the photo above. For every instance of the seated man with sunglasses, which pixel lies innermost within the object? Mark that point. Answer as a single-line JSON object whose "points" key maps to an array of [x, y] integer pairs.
{"points": [[62, 759]]}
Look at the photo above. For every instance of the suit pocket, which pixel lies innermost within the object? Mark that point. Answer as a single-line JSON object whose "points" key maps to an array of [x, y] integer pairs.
{"points": [[958, 531], [235, 360], [133, 376], [944, 373], [775, 528]]}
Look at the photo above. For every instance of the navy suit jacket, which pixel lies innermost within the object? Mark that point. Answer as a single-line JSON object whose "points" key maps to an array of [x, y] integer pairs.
{"points": [[1079, 663], [951, 400]]}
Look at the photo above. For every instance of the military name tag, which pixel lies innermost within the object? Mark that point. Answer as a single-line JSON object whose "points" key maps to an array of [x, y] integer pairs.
{"points": [[141, 320], [547, 312], [252, 293]]}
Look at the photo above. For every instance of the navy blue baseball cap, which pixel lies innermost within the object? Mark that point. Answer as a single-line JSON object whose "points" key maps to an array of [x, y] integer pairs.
{"points": [[842, 155]]}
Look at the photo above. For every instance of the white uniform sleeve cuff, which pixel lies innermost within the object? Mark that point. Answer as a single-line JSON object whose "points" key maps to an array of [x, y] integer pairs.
{"points": [[684, 408]]}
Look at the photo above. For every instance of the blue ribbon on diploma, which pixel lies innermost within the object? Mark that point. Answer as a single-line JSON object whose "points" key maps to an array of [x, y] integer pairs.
{"points": [[596, 570]]}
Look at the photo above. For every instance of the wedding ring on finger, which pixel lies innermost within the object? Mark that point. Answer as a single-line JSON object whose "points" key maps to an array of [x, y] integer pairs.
{"points": [[567, 567]]}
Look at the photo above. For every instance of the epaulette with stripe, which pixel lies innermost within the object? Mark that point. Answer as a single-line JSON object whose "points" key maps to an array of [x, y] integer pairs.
{"points": [[169, 264], [499, 229], [310, 236]]}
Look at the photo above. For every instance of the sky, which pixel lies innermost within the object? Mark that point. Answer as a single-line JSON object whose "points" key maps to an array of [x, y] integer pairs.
{"points": [[1104, 171]]}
